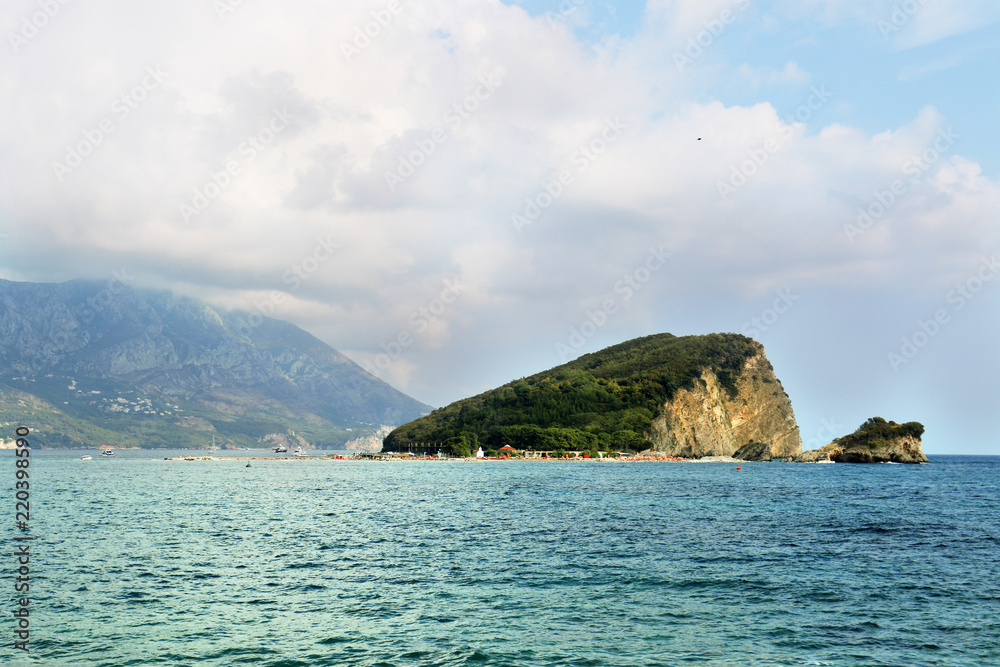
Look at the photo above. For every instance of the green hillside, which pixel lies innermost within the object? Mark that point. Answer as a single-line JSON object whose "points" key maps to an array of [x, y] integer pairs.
{"points": [[118, 415], [602, 400]]}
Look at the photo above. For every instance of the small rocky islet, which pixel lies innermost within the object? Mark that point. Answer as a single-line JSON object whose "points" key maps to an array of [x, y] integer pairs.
{"points": [[875, 441]]}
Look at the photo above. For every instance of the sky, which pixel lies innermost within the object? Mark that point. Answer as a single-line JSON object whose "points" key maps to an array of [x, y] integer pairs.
{"points": [[460, 194]]}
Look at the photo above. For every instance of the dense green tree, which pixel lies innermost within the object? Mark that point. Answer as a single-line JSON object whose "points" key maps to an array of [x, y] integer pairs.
{"points": [[608, 398], [458, 445], [877, 430]]}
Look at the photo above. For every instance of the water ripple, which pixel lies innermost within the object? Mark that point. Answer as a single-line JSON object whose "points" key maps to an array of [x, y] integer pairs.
{"points": [[526, 565]]}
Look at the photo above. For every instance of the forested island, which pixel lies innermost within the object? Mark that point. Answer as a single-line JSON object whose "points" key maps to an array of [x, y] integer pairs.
{"points": [[630, 397]]}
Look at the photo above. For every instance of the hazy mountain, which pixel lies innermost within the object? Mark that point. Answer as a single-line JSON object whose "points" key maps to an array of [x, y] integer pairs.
{"points": [[87, 363]]}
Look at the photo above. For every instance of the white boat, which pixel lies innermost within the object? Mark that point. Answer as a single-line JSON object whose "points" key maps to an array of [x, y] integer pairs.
{"points": [[86, 457], [299, 452], [107, 452]]}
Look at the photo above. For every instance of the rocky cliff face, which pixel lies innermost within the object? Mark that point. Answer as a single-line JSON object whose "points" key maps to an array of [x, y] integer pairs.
{"points": [[371, 442], [288, 440], [711, 420]]}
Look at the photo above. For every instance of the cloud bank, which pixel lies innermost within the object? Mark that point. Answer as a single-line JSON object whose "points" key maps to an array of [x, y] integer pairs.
{"points": [[448, 194]]}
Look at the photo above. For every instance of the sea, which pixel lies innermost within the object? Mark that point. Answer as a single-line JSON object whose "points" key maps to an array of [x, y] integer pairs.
{"points": [[136, 560]]}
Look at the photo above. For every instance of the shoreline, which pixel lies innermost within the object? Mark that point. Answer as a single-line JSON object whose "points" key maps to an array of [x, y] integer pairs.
{"points": [[380, 459]]}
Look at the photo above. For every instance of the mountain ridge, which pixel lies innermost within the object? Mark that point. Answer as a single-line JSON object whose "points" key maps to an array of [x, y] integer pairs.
{"points": [[73, 345]]}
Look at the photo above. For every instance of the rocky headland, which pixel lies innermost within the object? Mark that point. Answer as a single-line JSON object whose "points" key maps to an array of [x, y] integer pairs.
{"points": [[661, 396]]}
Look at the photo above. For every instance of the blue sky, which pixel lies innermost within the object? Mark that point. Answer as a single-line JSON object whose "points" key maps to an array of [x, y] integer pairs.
{"points": [[454, 194], [879, 73]]}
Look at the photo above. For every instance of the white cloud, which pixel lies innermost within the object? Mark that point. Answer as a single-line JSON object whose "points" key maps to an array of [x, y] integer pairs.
{"points": [[755, 77], [655, 183], [935, 21], [917, 72], [905, 25]]}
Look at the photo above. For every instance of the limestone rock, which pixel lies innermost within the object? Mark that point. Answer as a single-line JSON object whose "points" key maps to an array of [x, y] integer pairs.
{"points": [[288, 440], [710, 420], [819, 455], [755, 451], [369, 442], [876, 441]]}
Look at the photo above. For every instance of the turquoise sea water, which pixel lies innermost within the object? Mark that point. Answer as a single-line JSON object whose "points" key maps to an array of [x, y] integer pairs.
{"points": [[141, 561]]}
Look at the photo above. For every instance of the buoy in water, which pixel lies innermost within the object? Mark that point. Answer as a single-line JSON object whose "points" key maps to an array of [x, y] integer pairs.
{"points": [[739, 468], [248, 464]]}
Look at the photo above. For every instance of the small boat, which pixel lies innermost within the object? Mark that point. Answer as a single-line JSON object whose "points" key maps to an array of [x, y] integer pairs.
{"points": [[299, 452], [279, 449], [86, 457], [107, 452]]}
